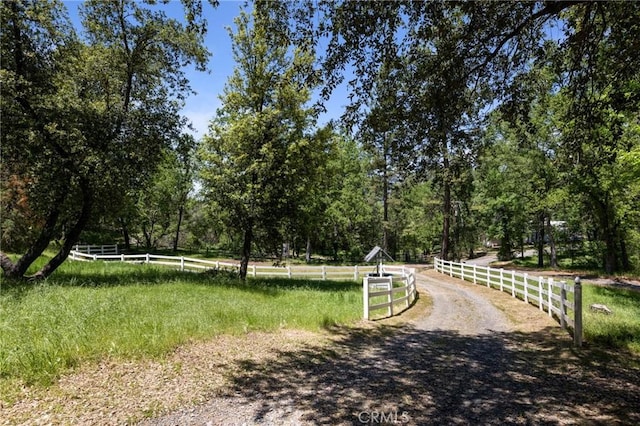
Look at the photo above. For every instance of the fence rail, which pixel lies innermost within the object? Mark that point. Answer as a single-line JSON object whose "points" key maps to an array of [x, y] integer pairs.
{"points": [[97, 249], [557, 298], [353, 273], [396, 286]]}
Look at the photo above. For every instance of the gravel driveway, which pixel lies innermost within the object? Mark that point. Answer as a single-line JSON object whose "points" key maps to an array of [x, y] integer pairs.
{"points": [[465, 363]]}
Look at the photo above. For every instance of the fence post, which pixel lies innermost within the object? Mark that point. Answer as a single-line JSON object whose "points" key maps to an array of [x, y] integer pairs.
{"points": [[407, 290], [117, 249], [462, 271], [182, 263], [450, 268], [513, 283], [435, 263], [540, 290], [289, 271], [488, 276], [526, 287], [324, 274], [355, 273], [577, 312], [475, 272], [390, 297], [550, 299], [365, 291], [102, 249], [122, 257], [563, 308], [501, 279], [253, 270], [146, 259], [217, 265]]}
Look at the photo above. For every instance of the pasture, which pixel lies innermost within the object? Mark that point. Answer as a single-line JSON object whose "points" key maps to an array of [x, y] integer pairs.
{"points": [[88, 311]]}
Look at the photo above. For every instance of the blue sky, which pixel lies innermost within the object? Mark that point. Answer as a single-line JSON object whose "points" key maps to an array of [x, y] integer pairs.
{"points": [[201, 107]]}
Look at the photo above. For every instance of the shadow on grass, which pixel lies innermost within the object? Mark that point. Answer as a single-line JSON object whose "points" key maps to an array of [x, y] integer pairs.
{"points": [[621, 295], [441, 377]]}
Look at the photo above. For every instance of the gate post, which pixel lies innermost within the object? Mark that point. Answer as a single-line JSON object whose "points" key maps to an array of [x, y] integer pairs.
{"points": [[577, 311], [365, 294]]}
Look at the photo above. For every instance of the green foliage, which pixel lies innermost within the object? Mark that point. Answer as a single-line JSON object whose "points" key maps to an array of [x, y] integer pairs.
{"points": [[351, 222], [257, 147], [91, 311], [87, 119], [161, 206], [419, 218]]}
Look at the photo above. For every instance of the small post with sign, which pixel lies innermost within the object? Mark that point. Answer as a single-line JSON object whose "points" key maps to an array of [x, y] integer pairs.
{"points": [[377, 253]]}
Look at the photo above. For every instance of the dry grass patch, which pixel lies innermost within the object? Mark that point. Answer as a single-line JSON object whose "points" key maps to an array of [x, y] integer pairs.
{"points": [[121, 392]]}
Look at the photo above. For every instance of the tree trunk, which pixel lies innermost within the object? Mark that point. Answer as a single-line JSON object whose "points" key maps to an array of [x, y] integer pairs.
{"points": [[180, 214], [446, 222], [335, 242], [18, 269], [307, 256], [148, 235], [553, 260], [541, 236], [246, 252], [125, 234], [505, 241], [71, 236], [624, 255], [385, 204], [610, 257]]}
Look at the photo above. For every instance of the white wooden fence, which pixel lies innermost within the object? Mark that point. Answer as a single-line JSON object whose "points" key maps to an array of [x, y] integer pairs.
{"points": [[191, 264], [96, 249], [394, 291], [558, 298]]}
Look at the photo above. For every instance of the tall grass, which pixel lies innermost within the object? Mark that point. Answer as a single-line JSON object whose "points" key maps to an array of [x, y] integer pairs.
{"points": [[620, 330], [87, 311]]}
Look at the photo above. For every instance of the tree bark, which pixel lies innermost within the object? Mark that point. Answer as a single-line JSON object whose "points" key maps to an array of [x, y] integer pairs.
{"points": [[125, 234], [553, 260], [18, 269], [541, 236], [610, 257], [624, 255], [71, 236], [609, 234], [246, 252], [307, 257], [446, 211], [505, 241], [180, 214], [385, 201]]}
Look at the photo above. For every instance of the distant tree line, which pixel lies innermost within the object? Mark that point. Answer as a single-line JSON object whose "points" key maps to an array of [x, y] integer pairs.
{"points": [[470, 124]]}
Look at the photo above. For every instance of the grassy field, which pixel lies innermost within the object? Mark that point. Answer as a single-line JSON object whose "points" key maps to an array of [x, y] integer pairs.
{"points": [[87, 311], [620, 330]]}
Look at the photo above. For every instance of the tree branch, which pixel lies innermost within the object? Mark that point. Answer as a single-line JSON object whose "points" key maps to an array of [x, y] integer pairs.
{"points": [[550, 9]]}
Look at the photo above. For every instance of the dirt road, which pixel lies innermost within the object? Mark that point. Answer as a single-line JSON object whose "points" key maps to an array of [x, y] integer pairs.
{"points": [[463, 362]]}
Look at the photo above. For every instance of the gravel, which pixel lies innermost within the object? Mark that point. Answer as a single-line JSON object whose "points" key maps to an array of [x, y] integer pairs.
{"points": [[467, 362], [453, 358]]}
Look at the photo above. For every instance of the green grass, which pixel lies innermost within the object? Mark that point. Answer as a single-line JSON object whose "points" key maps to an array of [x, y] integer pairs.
{"points": [[87, 311], [620, 330]]}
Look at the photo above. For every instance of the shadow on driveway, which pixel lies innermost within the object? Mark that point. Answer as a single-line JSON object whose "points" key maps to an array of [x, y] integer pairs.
{"points": [[404, 375]]}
